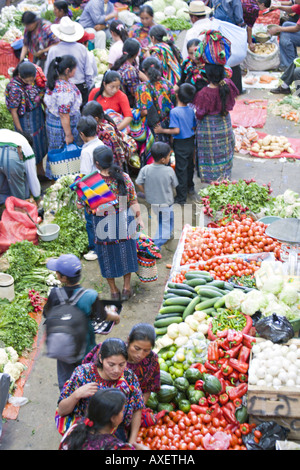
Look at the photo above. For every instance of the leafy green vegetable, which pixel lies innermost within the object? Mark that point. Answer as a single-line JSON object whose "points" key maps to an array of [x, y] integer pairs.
{"points": [[176, 24], [72, 236], [6, 121], [23, 257], [17, 327]]}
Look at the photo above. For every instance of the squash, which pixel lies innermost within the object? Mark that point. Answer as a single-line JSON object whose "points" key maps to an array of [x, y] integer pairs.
{"points": [[166, 394], [212, 384]]}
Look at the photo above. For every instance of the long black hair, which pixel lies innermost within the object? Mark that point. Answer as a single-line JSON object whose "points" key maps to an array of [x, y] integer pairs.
{"points": [[25, 69], [109, 77], [57, 67], [119, 28], [159, 33], [103, 406], [142, 332], [112, 347], [62, 5], [215, 74], [153, 69], [192, 42], [147, 9], [131, 48], [95, 109], [104, 157]]}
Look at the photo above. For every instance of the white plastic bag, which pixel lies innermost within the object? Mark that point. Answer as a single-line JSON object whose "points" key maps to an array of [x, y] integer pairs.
{"points": [[238, 38]]}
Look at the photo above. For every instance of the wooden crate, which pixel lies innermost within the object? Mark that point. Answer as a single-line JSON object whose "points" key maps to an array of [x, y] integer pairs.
{"points": [[281, 405]]}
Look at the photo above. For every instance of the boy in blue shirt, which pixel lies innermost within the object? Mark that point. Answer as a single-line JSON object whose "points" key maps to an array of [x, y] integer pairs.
{"points": [[182, 128]]}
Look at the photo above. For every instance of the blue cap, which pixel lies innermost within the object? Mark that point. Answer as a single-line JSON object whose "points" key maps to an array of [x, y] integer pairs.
{"points": [[67, 265]]}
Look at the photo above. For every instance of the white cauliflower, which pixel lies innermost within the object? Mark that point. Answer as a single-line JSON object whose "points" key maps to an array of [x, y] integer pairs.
{"points": [[14, 370], [12, 354], [3, 357]]}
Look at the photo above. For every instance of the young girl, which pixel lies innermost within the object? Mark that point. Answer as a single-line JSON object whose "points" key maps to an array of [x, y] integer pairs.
{"points": [[128, 68], [165, 50], [111, 97], [192, 69], [96, 431], [119, 35], [63, 100]]}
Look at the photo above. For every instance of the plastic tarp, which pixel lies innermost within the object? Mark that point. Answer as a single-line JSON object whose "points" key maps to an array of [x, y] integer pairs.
{"points": [[15, 225], [249, 113]]}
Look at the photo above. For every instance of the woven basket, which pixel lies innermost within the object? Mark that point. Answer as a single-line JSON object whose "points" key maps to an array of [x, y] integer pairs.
{"points": [[147, 271]]}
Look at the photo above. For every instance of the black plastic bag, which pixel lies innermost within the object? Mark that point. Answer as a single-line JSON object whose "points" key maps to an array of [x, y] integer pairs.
{"points": [[271, 432], [275, 328]]}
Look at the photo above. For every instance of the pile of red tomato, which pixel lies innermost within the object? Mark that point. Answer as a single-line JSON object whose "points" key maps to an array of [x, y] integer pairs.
{"points": [[238, 236], [180, 431]]}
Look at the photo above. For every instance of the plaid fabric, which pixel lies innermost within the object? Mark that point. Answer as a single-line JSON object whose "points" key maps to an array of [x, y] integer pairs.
{"points": [[215, 147], [33, 122]]}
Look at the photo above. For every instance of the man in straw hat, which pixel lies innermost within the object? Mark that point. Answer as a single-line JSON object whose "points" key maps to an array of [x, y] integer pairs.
{"points": [[69, 32], [199, 16]]}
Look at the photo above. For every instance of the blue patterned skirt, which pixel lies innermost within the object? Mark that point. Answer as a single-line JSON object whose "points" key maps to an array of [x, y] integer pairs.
{"points": [[117, 252], [215, 147], [33, 122]]}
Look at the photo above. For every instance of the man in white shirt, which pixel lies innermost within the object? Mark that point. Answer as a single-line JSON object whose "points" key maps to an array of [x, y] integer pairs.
{"points": [[18, 176], [69, 32], [200, 20]]}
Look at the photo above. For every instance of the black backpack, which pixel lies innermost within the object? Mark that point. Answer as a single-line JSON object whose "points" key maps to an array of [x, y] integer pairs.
{"points": [[66, 328]]}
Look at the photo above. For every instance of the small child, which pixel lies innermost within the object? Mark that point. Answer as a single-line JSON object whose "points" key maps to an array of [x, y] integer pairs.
{"points": [[87, 128], [182, 128], [157, 181]]}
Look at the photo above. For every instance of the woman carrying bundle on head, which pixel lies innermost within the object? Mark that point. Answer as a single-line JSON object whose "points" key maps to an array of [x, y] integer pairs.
{"points": [[214, 134], [119, 35], [63, 100], [164, 49]]}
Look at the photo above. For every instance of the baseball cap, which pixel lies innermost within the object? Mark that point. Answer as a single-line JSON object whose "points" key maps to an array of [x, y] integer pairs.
{"points": [[68, 265], [86, 37]]}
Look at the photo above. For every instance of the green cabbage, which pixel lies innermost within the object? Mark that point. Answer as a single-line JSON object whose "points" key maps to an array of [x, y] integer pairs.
{"points": [[273, 284], [234, 299], [289, 294]]}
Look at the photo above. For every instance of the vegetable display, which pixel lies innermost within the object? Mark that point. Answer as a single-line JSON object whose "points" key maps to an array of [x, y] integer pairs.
{"points": [[284, 205], [234, 197]]}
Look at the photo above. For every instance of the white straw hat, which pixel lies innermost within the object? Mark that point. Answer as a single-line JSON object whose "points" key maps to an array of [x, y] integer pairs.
{"points": [[68, 30], [198, 8]]}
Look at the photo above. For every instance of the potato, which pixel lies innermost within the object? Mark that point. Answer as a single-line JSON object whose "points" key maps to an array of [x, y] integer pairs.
{"points": [[266, 140], [290, 150], [261, 154]]}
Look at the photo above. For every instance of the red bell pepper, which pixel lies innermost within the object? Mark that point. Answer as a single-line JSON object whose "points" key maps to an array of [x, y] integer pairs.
{"points": [[237, 392], [223, 385], [234, 337], [226, 369], [228, 411], [213, 352], [203, 401], [243, 378], [248, 340], [212, 399], [233, 377], [210, 367], [249, 323], [223, 399], [216, 411], [237, 402], [221, 361], [245, 428], [199, 384], [233, 352], [222, 333], [201, 368], [244, 354], [198, 409], [240, 366]]}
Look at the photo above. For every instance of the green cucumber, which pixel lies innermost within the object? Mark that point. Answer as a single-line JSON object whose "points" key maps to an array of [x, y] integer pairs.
{"points": [[168, 315], [178, 285], [210, 311], [191, 275], [206, 304], [206, 292], [189, 310], [163, 322], [161, 331], [216, 283], [220, 302], [197, 281], [172, 309], [177, 301], [168, 295], [180, 292], [228, 286]]}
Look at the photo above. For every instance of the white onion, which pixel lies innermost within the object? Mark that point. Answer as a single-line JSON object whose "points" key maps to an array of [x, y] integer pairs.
{"points": [[276, 382]]}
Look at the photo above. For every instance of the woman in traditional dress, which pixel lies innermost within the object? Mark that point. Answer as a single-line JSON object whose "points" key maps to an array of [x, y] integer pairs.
{"points": [[109, 371], [24, 99], [214, 133], [164, 49], [140, 30], [115, 228], [63, 100]]}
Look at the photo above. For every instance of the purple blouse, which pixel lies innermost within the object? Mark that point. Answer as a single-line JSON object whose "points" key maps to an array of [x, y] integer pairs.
{"points": [[207, 101]]}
